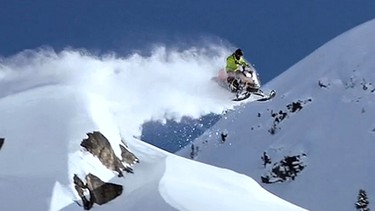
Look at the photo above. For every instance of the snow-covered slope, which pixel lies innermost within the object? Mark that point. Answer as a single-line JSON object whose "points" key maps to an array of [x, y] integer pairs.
{"points": [[321, 124], [69, 126]]}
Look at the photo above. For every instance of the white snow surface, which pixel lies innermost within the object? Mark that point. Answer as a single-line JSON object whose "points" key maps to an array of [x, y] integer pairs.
{"points": [[334, 131], [50, 100]]}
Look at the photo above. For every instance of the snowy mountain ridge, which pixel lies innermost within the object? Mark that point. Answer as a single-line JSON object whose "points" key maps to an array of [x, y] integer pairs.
{"points": [[313, 144], [70, 123]]}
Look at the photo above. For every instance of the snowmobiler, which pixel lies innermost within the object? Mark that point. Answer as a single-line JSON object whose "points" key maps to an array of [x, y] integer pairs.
{"points": [[241, 78], [238, 68]]}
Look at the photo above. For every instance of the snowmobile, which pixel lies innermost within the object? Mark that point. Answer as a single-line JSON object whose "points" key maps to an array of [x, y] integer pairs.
{"points": [[241, 89]]}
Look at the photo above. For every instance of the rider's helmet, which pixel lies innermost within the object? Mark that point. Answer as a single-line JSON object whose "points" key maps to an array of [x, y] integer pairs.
{"points": [[238, 53]]}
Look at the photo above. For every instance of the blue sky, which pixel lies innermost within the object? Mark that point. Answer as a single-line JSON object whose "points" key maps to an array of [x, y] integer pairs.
{"points": [[274, 34]]}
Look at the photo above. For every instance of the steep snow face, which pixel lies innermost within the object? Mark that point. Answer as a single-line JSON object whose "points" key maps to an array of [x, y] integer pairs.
{"points": [[49, 102], [318, 132]]}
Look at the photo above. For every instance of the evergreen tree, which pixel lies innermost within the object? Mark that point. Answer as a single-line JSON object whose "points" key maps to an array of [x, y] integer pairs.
{"points": [[362, 201]]}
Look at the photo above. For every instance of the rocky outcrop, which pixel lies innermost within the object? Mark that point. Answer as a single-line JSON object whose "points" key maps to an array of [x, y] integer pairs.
{"points": [[285, 170], [99, 192], [94, 190], [98, 145]]}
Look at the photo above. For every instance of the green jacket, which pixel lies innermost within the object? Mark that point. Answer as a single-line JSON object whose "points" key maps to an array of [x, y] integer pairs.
{"points": [[233, 64]]}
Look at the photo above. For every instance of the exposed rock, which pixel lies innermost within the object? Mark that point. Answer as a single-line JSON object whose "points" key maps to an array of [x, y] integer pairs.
{"points": [[80, 187], [99, 192], [1, 142], [297, 106], [278, 117], [77, 181], [223, 137], [128, 157], [286, 169], [98, 145], [266, 159], [322, 84]]}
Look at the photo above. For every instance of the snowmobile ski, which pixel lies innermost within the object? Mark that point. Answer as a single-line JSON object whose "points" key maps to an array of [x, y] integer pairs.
{"points": [[267, 97], [242, 96], [260, 95]]}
